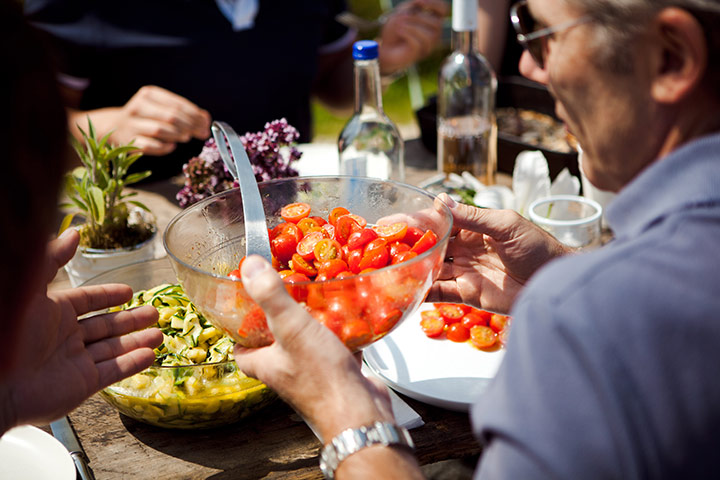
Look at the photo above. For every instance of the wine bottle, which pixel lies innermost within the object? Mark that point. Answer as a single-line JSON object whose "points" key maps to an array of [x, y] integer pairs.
{"points": [[370, 144], [466, 126]]}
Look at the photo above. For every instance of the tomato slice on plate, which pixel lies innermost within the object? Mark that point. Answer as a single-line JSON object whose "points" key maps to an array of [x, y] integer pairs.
{"points": [[457, 333], [482, 336], [432, 324], [451, 312]]}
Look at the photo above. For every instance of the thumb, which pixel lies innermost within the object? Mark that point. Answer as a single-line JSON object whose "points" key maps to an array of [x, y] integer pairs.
{"points": [[285, 316], [59, 251]]}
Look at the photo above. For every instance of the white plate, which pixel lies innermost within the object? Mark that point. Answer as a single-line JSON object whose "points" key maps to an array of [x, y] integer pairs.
{"points": [[435, 371], [318, 159], [28, 453]]}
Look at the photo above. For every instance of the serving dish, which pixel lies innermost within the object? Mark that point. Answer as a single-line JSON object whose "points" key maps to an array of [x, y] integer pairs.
{"points": [[28, 453], [181, 391]]}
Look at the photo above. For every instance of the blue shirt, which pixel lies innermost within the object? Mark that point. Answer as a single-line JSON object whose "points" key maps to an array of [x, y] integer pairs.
{"points": [[613, 364]]}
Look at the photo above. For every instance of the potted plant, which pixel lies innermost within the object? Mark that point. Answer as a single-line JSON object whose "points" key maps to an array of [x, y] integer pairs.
{"points": [[116, 230]]}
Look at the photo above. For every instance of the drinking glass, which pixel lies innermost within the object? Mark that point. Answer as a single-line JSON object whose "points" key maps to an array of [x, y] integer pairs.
{"points": [[572, 219]]}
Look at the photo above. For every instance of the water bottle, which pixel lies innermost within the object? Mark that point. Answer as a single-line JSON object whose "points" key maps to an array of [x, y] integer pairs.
{"points": [[370, 144], [466, 126]]}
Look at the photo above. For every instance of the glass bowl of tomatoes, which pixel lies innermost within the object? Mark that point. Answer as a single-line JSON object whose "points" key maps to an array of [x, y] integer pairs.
{"points": [[360, 254]]}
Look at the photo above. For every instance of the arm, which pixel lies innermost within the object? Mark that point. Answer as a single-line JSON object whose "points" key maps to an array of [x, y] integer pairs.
{"points": [[314, 372], [491, 257], [155, 118], [60, 361], [492, 29]]}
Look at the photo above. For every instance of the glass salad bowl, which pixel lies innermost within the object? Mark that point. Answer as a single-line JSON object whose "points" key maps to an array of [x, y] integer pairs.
{"points": [[194, 383], [205, 244]]}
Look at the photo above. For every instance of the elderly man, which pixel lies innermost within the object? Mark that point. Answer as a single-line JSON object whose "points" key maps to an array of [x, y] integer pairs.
{"points": [[610, 367]]}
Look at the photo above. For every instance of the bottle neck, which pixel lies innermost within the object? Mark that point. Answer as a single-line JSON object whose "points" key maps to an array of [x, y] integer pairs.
{"points": [[368, 91], [464, 41]]}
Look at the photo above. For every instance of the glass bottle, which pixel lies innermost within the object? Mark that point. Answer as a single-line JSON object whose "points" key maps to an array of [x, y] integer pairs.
{"points": [[370, 144], [466, 127]]}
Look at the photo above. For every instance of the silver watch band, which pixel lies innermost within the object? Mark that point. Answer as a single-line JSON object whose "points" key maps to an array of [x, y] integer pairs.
{"points": [[354, 439]]}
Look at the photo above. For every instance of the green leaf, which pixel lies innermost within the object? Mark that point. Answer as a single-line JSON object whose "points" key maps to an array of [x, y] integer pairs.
{"points": [[136, 177], [97, 202], [139, 204], [67, 220]]}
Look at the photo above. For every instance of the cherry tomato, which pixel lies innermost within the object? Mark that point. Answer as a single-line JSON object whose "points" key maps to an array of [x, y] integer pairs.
{"points": [[345, 227], [329, 229], [402, 257], [345, 274], [457, 333], [308, 223], [321, 221], [294, 212], [283, 247], [288, 228], [326, 249], [498, 322], [398, 247], [451, 312], [235, 273], [471, 319], [393, 232], [376, 244], [254, 323], [482, 336], [375, 258], [358, 219], [383, 319], [355, 333], [432, 325], [306, 247], [332, 268], [412, 235], [295, 277], [425, 243], [300, 265], [336, 213], [361, 238]]}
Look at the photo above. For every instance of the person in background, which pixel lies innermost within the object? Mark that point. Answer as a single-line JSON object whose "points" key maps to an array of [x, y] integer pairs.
{"points": [[159, 72], [609, 367], [50, 361]]}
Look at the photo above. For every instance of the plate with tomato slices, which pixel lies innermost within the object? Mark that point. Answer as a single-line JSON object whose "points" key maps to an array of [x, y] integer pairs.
{"points": [[436, 371]]}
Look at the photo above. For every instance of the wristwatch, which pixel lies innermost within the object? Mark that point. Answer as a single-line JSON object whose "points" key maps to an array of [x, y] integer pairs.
{"points": [[354, 439]]}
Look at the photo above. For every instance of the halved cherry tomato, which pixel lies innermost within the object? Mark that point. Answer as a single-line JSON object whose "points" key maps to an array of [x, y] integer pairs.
{"points": [[336, 213], [498, 322], [412, 235], [254, 323], [306, 247], [353, 260], [288, 228], [300, 265], [285, 273], [355, 333], [321, 221], [457, 333], [432, 325], [283, 247], [308, 223], [482, 336], [327, 249], [361, 238], [393, 232], [451, 312], [296, 277], [375, 258], [344, 227], [376, 244], [384, 318], [235, 273], [358, 219], [294, 212], [329, 229], [425, 243], [398, 247]]}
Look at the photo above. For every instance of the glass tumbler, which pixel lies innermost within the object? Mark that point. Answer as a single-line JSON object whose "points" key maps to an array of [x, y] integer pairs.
{"points": [[572, 219]]}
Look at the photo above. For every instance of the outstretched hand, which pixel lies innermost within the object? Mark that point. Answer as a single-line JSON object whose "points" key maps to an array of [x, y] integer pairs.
{"points": [[411, 33], [59, 361], [307, 365], [491, 257]]}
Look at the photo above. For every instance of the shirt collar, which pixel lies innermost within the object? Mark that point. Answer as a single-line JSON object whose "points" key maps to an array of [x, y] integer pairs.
{"points": [[687, 177]]}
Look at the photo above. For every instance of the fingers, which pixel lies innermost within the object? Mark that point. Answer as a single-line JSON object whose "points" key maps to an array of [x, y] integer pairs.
{"points": [[286, 319], [115, 369], [114, 347], [60, 250], [93, 298], [499, 224], [109, 325]]}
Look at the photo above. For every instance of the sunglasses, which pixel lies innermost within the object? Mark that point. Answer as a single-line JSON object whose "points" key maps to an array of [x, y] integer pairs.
{"points": [[534, 41]]}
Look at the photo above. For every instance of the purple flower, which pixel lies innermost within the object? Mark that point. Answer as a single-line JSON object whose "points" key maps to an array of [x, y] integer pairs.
{"points": [[272, 154]]}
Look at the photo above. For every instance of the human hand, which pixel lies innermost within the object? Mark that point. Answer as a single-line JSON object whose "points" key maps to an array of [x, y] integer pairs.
{"points": [[411, 33], [59, 361], [491, 257], [307, 365], [154, 118]]}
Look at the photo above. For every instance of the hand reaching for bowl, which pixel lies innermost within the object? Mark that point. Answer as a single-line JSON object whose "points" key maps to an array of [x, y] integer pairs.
{"points": [[58, 360], [490, 258], [154, 118]]}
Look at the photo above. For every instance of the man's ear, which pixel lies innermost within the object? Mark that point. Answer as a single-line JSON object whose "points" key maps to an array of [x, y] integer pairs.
{"points": [[682, 55]]}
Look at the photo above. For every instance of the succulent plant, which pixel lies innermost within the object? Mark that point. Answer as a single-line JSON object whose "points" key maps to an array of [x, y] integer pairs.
{"points": [[96, 191]]}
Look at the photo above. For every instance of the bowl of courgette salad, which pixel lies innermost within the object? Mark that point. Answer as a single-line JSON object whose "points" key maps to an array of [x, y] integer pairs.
{"points": [[194, 382]]}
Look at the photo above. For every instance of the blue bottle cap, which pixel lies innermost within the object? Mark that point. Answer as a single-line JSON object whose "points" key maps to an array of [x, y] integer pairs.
{"points": [[365, 50]]}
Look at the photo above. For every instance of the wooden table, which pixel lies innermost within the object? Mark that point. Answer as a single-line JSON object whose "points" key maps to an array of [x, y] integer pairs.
{"points": [[275, 443]]}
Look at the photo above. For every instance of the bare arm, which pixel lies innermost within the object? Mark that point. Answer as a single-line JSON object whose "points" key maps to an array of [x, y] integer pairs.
{"points": [[492, 29]]}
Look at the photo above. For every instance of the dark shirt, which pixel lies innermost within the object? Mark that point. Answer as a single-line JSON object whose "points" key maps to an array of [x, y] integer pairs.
{"points": [[611, 365], [244, 78]]}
